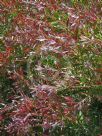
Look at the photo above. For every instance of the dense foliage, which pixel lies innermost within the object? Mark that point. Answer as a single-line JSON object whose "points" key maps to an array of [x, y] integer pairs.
{"points": [[50, 67]]}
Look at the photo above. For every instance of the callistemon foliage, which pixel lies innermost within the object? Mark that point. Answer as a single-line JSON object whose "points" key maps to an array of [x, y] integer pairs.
{"points": [[49, 50]]}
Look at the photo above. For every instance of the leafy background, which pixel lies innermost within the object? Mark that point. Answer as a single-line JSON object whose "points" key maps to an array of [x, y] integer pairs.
{"points": [[51, 67]]}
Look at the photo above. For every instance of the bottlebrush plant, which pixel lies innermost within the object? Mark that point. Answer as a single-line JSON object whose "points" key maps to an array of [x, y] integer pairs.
{"points": [[50, 57]]}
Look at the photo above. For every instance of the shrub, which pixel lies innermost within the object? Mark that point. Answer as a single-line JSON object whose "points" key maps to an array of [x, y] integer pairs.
{"points": [[50, 66]]}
